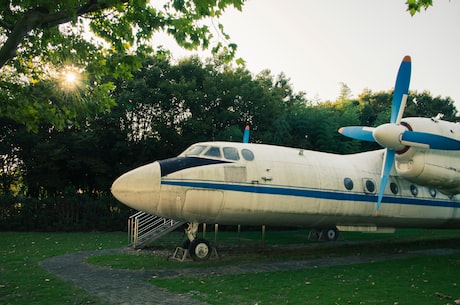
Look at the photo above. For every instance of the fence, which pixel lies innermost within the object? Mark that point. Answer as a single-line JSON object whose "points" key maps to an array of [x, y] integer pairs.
{"points": [[70, 213]]}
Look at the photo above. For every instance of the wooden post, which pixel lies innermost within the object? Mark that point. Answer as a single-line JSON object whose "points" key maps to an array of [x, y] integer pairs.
{"points": [[263, 235], [216, 230]]}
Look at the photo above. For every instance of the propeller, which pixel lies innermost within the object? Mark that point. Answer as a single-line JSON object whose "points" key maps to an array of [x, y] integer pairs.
{"points": [[394, 136], [246, 134], [397, 108]]}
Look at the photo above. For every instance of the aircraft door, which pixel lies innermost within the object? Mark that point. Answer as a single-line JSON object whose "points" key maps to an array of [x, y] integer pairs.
{"points": [[202, 205]]}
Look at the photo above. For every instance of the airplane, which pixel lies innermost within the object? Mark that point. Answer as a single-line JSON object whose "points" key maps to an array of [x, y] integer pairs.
{"points": [[413, 182]]}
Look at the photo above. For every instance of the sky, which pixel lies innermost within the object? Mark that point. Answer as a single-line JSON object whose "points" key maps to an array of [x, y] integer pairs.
{"points": [[319, 44]]}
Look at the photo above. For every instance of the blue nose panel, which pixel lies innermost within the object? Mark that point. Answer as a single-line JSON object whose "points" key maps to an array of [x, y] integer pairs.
{"points": [[172, 165]]}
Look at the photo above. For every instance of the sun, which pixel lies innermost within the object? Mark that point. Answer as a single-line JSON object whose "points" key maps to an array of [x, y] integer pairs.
{"points": [[70, 77]]}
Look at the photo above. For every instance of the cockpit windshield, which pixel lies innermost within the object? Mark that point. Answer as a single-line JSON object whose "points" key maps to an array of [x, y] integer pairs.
{"points": [[215, 151], [194, 150]]}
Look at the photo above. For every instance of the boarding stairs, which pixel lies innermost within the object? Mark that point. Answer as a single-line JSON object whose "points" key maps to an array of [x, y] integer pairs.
{"points": [[143, 228]]}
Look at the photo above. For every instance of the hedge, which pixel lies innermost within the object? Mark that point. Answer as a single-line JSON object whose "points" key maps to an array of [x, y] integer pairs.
{"points": [[70, 213]]}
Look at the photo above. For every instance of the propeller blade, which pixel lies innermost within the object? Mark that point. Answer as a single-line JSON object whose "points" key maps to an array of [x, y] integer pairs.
{"points": [[388, 135], [358, 133], [388, 161], [428, 140], [246, 134], [401, 89]]}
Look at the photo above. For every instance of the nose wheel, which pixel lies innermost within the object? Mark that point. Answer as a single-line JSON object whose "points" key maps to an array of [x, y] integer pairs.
{"points": [[200, 249]]}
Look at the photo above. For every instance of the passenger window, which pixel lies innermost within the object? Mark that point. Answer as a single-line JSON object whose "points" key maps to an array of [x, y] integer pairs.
{"points": [[348, 183], [213, 152], [370, 186], [247, 154], [231, 153], [432, 192], [414, 190], [394, 188]]}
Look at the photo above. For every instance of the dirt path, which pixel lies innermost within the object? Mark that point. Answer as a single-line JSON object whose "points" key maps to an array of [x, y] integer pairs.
{"points": [[115, 286]]}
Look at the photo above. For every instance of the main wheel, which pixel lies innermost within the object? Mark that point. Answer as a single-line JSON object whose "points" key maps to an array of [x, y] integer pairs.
{"points": [[200, 249], [331, 234]]}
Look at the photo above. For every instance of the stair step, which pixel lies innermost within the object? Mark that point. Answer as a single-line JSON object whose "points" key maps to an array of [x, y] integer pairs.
{"points": [[144, 228]]}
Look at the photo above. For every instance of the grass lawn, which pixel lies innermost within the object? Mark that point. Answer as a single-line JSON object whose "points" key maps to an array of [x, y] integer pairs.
{"points": [[24, 282], [420, 280]]}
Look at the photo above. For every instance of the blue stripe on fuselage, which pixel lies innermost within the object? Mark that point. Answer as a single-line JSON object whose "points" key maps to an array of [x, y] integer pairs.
{"points": [[305, 192]]}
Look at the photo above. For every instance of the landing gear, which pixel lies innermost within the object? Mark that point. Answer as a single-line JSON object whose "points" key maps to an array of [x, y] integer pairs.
{"points": [[328, 234], [331, 234], [199, 249]]}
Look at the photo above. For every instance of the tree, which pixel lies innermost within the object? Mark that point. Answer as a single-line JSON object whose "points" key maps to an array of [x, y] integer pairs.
{"points": [[345, 93], [42, 41], [414, 6], [424, 104], [176, 105], [11, 166]]}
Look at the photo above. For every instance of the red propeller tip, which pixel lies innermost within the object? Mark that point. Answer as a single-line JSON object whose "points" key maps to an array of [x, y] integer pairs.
{"points": [[407, 58]]}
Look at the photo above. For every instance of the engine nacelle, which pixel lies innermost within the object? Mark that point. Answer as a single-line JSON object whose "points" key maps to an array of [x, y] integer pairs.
{"points": [[431, 167]]}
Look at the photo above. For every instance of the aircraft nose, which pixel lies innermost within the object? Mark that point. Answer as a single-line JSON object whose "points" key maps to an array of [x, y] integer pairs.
{"points": [[139, 188]]}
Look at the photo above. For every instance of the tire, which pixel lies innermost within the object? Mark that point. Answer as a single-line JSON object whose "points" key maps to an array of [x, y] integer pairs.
{"points": [[331, 234], [200, 249]]}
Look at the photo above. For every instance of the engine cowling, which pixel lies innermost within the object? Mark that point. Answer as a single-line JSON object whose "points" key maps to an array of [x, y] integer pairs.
{"points": [[431, 167]]}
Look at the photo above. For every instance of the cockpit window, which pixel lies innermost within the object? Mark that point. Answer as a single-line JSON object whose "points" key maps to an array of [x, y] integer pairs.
{"points": [[231, 153], [195, 150], [247, 154], [213, 151]]}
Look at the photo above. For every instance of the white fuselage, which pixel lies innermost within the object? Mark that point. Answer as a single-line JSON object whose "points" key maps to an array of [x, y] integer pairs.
{"points": [[255, 184]]}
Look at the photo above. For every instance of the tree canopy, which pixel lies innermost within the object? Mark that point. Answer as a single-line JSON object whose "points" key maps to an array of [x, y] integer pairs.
{"points": [[41, 42]]}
